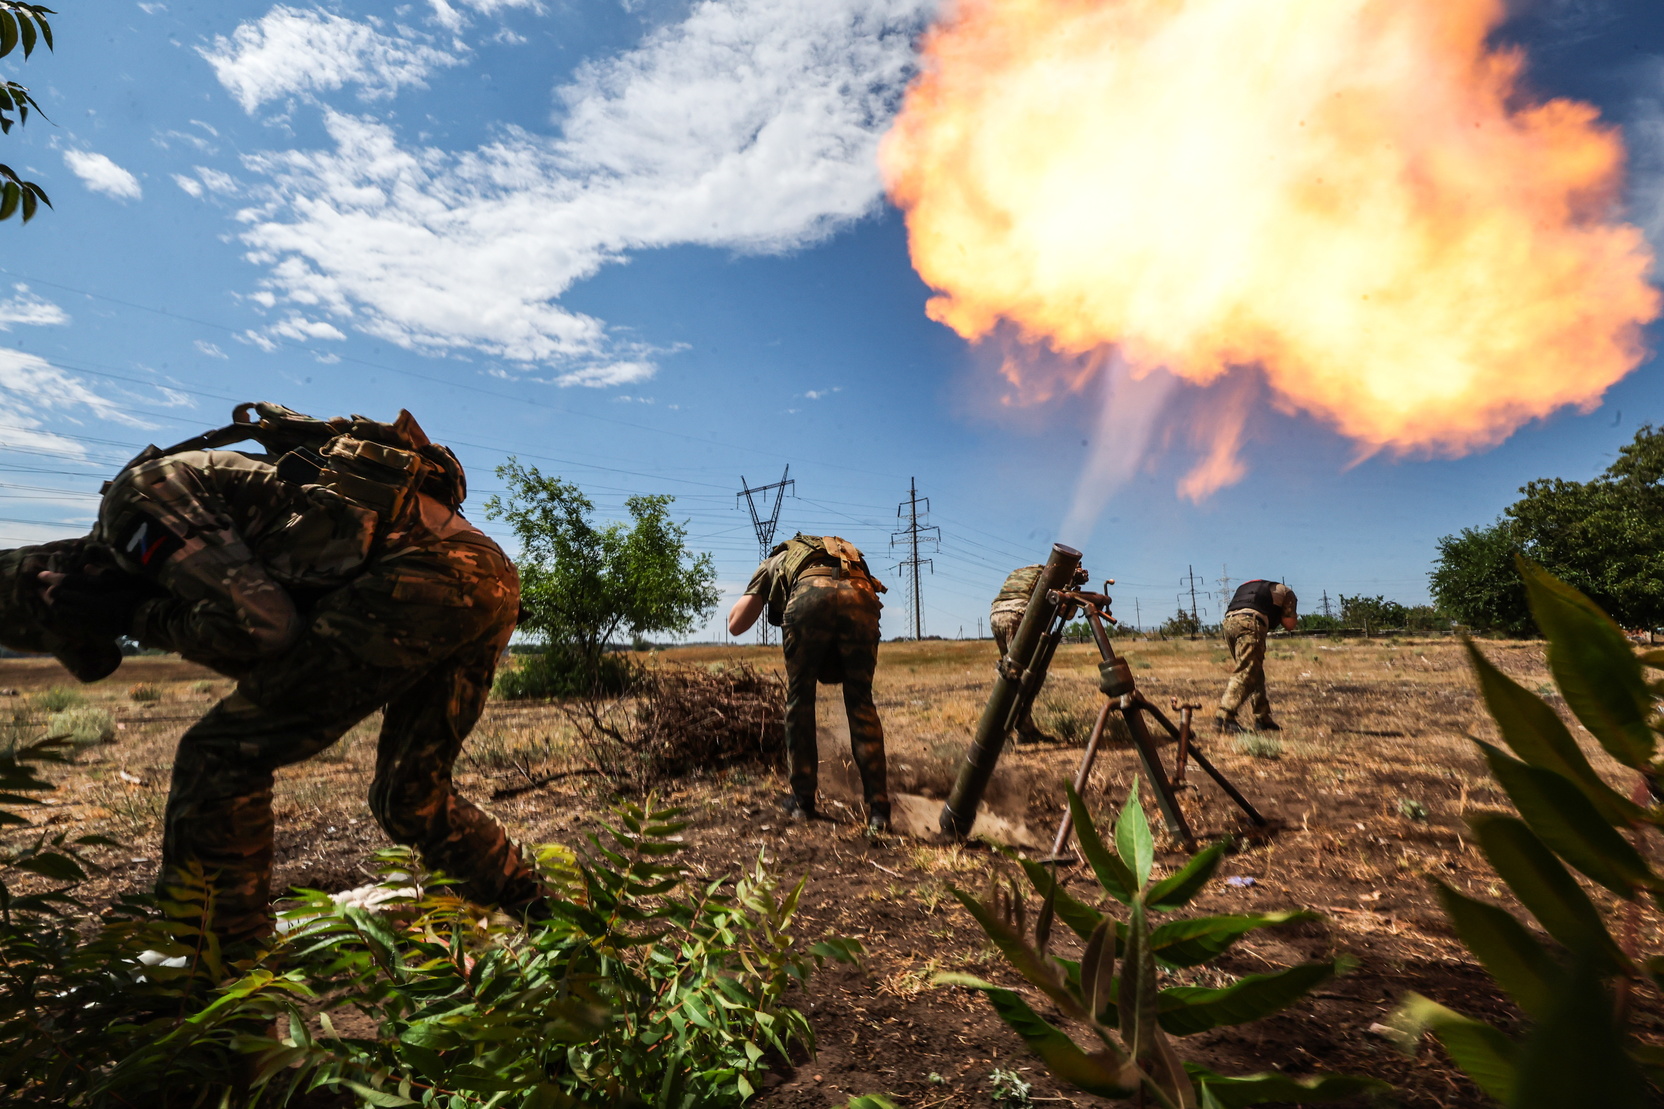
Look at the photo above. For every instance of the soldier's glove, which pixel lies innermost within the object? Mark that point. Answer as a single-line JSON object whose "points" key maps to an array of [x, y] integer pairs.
{"points": [[99, 604]]}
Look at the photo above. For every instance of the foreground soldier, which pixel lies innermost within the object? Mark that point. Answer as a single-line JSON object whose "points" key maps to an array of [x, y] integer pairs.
{"points": [[818, 588], [1253, 611], [1003, 617], [338, 581]]}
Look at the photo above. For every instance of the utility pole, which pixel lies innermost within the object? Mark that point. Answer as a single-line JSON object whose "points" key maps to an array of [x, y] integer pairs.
{"points": [[1193, 614], [909, 537], [765, 525], [979, 627], [1137, 615]]}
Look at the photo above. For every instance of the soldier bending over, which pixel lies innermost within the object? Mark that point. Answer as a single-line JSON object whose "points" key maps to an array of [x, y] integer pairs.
{"points": [[818, 588], [1256, 608], [332, 577]]}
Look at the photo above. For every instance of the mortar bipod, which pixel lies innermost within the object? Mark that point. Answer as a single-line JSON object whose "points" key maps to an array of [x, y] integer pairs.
{"points": [[1121, 695]]}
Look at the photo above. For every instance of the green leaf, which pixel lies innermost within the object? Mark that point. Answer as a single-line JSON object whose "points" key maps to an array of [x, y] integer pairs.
{"points": [[8, 32], [1256, 1089], [1568, 822], [1545, 887], [1575, 1055], [1112, 873], [1102, 1072], [1186, 1010], [26, 28], [1188, 943], [1176, 890], [1024, 959], [1484, 1054], [1082, 919], [373, 1096], [1502, 944], [1594, 666], [59, 868], [1137, 1000], [1097, 971], [1538, 735], [9, 196], [1133, 841]]}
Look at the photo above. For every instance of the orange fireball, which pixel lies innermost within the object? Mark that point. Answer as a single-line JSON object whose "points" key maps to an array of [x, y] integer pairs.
{"points": [[1356, 196]]}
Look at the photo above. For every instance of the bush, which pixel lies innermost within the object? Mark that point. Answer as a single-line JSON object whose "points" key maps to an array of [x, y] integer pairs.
{"points": [[59, 698], [1579, 1046], [1258, 746], [86, 726], [1127, 1015], [639, 985], [145, 693], [561, 671], [1068, 720]]}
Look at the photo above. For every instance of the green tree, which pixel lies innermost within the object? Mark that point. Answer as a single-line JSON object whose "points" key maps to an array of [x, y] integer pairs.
{"points": [[1475, 581], [582, 584], [1605, 537], [1181, 624], [1372, 612], [20, 25]]}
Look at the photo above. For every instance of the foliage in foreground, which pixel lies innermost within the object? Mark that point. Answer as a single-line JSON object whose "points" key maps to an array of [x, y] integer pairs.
{"points": [[641, 989], [21, 25], [1578, 1047], [1115, 989]]}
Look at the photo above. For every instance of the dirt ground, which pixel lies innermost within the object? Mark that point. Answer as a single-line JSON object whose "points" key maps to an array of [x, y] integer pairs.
{"points": [[1366, 785]]}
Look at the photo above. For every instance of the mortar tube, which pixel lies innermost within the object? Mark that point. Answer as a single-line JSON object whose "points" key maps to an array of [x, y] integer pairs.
{"points": [[984, 755]]}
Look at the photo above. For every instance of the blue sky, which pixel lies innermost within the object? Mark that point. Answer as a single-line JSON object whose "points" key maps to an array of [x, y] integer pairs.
{"points": [[644, 245]]}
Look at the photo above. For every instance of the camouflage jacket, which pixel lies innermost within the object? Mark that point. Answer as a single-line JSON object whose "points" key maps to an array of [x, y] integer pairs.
{"points": [[228, 541], [1014, 594]]}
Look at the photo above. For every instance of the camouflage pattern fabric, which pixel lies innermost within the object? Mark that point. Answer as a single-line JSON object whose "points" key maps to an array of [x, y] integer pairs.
{"points": [[229, 541], [280, 586], [1245, 637], [831, 635], [1005, 615]]}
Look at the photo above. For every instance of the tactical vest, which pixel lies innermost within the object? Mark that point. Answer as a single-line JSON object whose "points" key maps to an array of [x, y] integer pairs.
{"points": [[803, 553], [378, 466], [1256, 596], [1019, 587]]}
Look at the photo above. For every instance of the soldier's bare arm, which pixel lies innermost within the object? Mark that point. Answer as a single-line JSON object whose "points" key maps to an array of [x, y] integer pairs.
{"points": [[745, 613]]}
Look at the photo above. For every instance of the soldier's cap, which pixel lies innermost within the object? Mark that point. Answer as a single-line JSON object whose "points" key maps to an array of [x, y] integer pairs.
{"points": [[26, 622], [1285, 596]]}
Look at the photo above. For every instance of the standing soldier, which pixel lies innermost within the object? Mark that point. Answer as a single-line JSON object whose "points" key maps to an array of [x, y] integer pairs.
{"points": [[1256, 608], [818, 588], [340, 580], [1003, 617]]}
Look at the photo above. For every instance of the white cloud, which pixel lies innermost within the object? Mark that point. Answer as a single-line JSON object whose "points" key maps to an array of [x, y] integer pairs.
{"points": [[212, 350], [218, 182], [305, 330], [750, 125], [27, 308], [101, 175], [33, 389], [817, 394], [615, 373], [189, 184], [293, 50]]}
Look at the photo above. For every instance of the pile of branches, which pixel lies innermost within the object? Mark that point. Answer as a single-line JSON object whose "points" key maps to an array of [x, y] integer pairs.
{"points": [[681, 721]]}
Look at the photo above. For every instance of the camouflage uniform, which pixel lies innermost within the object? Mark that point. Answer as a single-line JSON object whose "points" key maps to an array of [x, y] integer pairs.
{"points": [[1245, 629], [324, 615], [1004, 616], [830, 612]]}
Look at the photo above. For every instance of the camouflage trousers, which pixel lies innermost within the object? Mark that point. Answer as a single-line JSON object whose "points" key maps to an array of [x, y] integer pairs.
{"points": [[418, 635], [1004, 625], [831, 635], [1245, 638]]}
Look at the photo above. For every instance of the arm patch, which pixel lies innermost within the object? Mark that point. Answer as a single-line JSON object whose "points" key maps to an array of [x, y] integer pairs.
{"points": [[145, 543]]}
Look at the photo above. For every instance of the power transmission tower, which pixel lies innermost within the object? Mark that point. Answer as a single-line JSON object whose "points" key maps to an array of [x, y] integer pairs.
{"points": [[1193, 615], [1224, 586], [910, 537], [765, 524], [1326, 611]]}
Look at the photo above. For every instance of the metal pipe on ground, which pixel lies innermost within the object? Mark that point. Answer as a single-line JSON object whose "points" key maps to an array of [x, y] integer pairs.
{"points": [[984, 755]]}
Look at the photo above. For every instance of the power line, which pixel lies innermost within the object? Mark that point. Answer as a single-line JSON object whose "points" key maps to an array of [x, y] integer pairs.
{"points": [[910, 537], [765, 527]]}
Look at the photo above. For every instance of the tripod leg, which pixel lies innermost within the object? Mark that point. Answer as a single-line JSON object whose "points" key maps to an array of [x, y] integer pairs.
{"points": [[1158, 776], [1225, 784], [1085, 771]]}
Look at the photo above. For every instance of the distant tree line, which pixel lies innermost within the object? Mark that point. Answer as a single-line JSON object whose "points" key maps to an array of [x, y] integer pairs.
{"points": [[1605, 537]]}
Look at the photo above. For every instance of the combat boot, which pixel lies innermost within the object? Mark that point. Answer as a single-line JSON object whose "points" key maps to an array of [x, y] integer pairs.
{"points": [[878, 818], [1267, 725], [1226, 725], [798, 808]]}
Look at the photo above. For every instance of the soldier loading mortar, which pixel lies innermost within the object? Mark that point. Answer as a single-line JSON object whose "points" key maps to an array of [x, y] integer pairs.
{"points": [[1022, 672]]}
